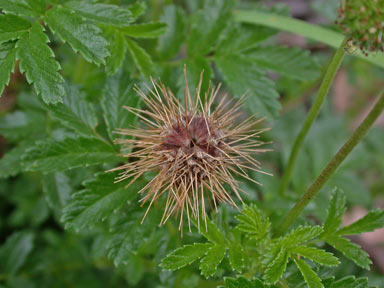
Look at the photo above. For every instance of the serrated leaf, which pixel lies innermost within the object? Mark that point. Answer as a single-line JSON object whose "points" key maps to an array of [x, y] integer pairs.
{"points": [[350, 282], [170, 43], [19, 126], [97, 201], [213, 258], [301, 235], [209, 230], [146, 30], [10, 163], [81, 36], [284, 60], [15, 251], [40, 67], [236, 257], [12, 27], [128, 235], [75, 113], [317, 255], [137, 9], [206, 26], [105, 14], [142, 59], [241, 76], [237, 39], [276, 269], [350, 250], [57, 189], [117, 50], [19, 7], [118, 92], [252, 222], [370, 222], [7, 63], [184, 256], [336, 211], [310, 277], [50, 155], [242, 282]]}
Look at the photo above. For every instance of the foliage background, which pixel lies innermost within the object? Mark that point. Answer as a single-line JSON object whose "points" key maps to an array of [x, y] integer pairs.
{"points": [[63, 221]]}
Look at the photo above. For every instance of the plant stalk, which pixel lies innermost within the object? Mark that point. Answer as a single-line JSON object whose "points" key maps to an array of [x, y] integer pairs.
{"points": [[332, 166], [329, 76]]}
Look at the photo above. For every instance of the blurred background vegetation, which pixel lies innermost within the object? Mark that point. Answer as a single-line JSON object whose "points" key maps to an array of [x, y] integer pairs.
{"points": [[46, 255]]}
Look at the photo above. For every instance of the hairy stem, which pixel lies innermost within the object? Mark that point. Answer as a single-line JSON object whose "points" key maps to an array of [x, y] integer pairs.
{"points": [[323, 91], [332, 166]]}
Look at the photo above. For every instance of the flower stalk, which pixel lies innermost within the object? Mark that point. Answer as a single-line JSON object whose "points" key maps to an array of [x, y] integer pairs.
{"points": [[314, 111], [328, 171]]}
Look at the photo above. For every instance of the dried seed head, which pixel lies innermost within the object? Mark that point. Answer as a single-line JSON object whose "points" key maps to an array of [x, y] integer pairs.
{"points": [[196, 151], [363, 22]]}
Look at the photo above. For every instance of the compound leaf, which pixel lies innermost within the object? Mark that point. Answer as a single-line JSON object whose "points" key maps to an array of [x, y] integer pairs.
{"points": [[106, 14], [97, 201], [310, 277], [184, 256], [7, 63], [75, 113], [213, 258], [146, 30], [51, 155], [370, 222], [40, 67], [82, 37]]}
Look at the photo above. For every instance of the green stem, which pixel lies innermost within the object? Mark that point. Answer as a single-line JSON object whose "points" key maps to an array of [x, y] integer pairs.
{"points": [[332, 166], [323, 91]]}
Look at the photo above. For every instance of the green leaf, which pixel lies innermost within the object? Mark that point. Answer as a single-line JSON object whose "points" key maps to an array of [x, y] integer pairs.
{"points": [[10, 163], [146, 30], [336, 211], [184, 256], [82, 37], [239, 39], [105, 14], [19, 126], [75, 113], [301, 235], [350, 282], [50, 155], [15, 251], [370, 222], [19, 7], [7, 64], [310, 277], [284, 60], [350, 250], [206, 26], [57, 189], [240, 74], [236, 257], [40, 67], [210, 231], [300, 27], [137, 9], [252, 222], [12, 27], [97, 201], [317, 255], [242, 282], [118, 92], [117, 50], [209, 263], [170, 43], [276, 269], [142, 59]]}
